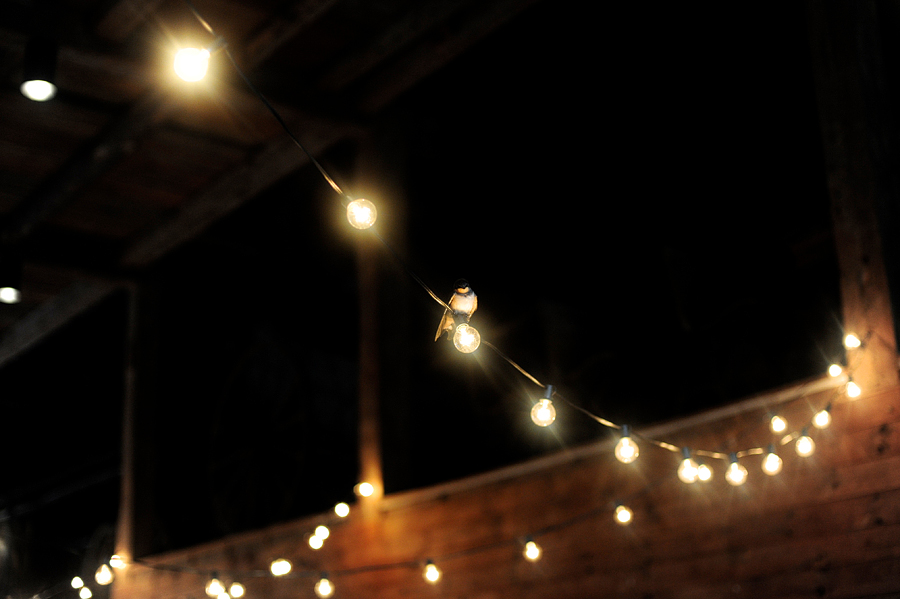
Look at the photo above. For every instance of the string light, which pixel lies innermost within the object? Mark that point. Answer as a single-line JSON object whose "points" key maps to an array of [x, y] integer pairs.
{"points": [[85, 593], [39, 69], [805, 446], [316, 542], [687, 470], [771, 464], [364, 489], [214, 587], [104, 575], [736, 473], [236, 590], [280, 567], [191, 64], [117, 562], [466, 338], [361, 213], [853, 390], [704, 473], [431, 573], [543, 413], [532, 550], [627, 450], [77, 583], [835, 370], [778, 424], [851, 341], [342, 510], [822, 419], [322, 532], [624, 515], [324, 588]]}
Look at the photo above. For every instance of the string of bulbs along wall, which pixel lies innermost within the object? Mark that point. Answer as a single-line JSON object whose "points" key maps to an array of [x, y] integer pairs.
{"points": [[191, 64]]}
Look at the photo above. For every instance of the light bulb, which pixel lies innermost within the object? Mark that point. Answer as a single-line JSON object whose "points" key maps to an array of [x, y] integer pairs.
{"points": [[822, 418], [778, 424], [104, 575], [853, 389], [224, 595], [191, 64], [214, 587], [280, 567], [77, 583], [324, 588], [432, 573], [236, 590], [316, 542], [364, 489], [736, 473], [361, 213], [117, 562], [466, 338], [38, 90], [624, 515], [771, 464], [805, 446], [851, 341], [543, 413], [532, 551], [687, 470], [704, 473], [627, 450], [10, 295], [342, 510], [322, 532], [85, 593], [835, 370]]}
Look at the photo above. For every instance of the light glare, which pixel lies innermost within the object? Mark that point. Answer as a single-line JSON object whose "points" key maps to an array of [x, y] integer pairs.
{"points": [[736, 475], [835, 370], [342, 510], [805, 446], [324, 588], [104, 575], [772, 464], [543, 413], [361, 213], [10, 295], [280, 567], [364, 489], [778, 424], [853, 390], [38, 90], [466, 338], [316, 542], [822, 419], [432, 574], [191, 64], [851, 341], [624, 515], [236, 590], [627, 450], [532, 551]]}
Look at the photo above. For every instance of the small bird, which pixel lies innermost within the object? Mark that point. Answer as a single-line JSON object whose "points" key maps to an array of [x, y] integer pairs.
{"points": [[463, 304]]}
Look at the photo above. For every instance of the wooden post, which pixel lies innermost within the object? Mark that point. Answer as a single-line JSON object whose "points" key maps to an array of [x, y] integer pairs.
{"points": [[835, 37]]}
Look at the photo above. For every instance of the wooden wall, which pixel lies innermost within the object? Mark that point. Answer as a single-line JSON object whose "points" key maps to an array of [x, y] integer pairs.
{"points": [[827, 526]]}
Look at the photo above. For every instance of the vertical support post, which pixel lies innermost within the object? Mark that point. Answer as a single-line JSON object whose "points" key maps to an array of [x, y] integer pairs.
{"points": [[835, 36]]}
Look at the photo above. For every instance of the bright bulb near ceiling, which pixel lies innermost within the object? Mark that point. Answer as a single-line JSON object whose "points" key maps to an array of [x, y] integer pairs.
{"points": [[38, 90], [822, 419], [736, 473], [214, 588], [772, 464], [532, 551], [466, 338], [364, 489], [85, 593], [361, 213], [191, 64], [224, 595], [117, 562], [704, 473], [342, 510], [626, 450], [835, 370], [805, 446], [280, 567], [324, 588], [104, 575], [77, 583], [778, 424], [431, 573], [316, 542], [851, 341], [624, 515], [322, 532], [10, 295], [543, 413], [236, 590], [687, 470], [853, 390]]}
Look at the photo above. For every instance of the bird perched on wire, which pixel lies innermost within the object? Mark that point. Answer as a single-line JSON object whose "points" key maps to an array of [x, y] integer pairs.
{"points": [[462, 304]]}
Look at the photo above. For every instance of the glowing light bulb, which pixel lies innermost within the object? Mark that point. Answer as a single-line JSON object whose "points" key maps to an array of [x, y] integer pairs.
{"points": [[532, 551], [77, 583], [10, 295], [342, 510], [38, 90], [805, 446], [736, 473], [853, 389], [85, 593], [117, 562], [851, 341], [236, 590], [432, 573], [361, 213], [466, 338], [104, 575], [224, 595], [280, 567], [771, 464], [704, 473], [687, 470], [316, 542], [624, 515], [778, 424], [822, 418], [214, 587], [191, 64], [835, 370], [627, 450], [322, 532], [324, 588], [364, 489], [543, 413]]}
